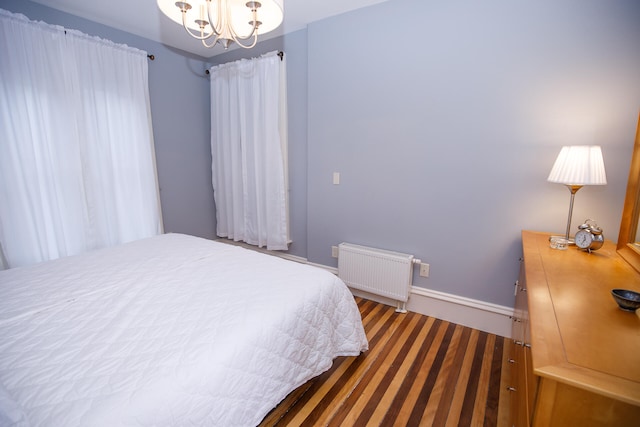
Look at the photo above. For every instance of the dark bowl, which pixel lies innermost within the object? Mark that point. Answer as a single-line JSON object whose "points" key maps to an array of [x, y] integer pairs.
{"points": [[627, 300]]}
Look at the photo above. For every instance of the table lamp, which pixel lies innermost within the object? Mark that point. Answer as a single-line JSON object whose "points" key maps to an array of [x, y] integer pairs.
{"points": [[575, 167]]}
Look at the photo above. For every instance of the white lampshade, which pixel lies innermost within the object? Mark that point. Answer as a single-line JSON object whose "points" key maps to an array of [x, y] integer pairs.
{"points": [[579, 165], [270, 13]]}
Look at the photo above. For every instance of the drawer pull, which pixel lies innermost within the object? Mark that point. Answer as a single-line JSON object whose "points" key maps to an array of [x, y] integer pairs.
{"points": [[527, 345], [516, 342], [511, 361], [512, 389]]}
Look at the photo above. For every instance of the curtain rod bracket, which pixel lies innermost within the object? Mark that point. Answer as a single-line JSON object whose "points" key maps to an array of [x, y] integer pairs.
{"points": [[151, 57]]}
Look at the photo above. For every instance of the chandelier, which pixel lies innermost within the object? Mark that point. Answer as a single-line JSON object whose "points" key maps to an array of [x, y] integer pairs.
{"points": [[225, 21]]}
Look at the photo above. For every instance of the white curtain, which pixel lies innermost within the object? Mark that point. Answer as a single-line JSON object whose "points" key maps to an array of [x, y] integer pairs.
{"points": [[77, 167], [249, 150]]}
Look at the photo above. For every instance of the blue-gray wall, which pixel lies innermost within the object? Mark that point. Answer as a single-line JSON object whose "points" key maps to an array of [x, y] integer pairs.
{"points": [[180, 108], [445, 117], [442, 117]]}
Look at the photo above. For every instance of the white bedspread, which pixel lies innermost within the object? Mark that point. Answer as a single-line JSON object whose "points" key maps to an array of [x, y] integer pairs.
{"points": [[172, 330]]}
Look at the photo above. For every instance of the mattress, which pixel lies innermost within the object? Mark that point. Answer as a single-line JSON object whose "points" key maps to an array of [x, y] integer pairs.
{"points": [[168, 331]]}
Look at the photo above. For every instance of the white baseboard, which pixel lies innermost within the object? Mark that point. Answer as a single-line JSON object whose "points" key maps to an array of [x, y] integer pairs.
{"points": [[265, 251], [484, 316], [487, 317]]}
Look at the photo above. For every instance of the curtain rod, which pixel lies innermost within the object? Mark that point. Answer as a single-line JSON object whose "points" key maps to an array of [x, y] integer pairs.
{"points": [[280, 54], [153, 57]]}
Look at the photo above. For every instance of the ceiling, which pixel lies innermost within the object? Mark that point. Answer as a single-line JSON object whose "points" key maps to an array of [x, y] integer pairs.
{"points": [[143, 18]]}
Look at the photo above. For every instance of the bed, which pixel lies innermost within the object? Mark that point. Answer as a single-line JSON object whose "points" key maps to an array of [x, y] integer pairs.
{"points": [[171, 330]]}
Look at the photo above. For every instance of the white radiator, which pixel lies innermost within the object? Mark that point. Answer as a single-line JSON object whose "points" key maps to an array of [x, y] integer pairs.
{"points": [[380, 272]]}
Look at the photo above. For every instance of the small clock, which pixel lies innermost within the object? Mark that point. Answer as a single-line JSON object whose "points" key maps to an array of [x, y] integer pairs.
{"points": [[589, 236]]}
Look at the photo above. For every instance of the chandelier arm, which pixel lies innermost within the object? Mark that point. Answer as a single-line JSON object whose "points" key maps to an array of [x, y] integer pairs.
{"points": [[255, 40], [236, 37], [215, 40], [194, 35], [217, 29], [254, 30]]}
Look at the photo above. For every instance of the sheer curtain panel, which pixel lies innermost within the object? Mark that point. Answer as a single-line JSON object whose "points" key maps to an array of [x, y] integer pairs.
{"points": [[77, 167], [249, 150]]}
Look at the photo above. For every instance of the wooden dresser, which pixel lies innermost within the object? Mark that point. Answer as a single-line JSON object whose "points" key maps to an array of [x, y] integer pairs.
{"points": [[575, 356]]}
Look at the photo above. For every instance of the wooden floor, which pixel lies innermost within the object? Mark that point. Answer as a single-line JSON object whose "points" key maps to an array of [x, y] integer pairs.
{"points": [[418, 371]]}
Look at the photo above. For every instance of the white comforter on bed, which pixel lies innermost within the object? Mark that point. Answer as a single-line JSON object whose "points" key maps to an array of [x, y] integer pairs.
{"points": [[172, 330]]}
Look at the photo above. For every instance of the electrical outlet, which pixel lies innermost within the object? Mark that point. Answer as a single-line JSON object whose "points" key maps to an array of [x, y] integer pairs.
{"points": [[334, 251], [424, 269]]}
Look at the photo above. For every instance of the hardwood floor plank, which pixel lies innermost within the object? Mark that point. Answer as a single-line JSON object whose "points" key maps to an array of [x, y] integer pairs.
{"points": [[418, 371], [416, 341], [372, 388], [390, 368], [461, 386], [418, 412], [365, 306], [493, 393], [504, 399], [448, 382], [466, 415], [480, 403], [441, 375], [407, 397], [348, 415], [324, 394]]}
